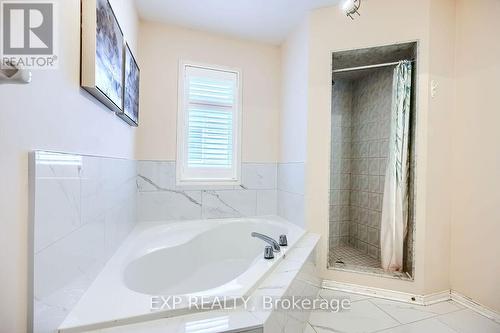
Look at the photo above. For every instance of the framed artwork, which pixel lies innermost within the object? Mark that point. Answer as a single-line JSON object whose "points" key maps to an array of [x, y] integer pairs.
{"points": [[102, 54], [130, 112]]}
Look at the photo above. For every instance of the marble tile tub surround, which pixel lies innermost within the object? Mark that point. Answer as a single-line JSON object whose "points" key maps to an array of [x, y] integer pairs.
{"points": [[291, 178], [160, 199], [266, 189], [83, 208]]}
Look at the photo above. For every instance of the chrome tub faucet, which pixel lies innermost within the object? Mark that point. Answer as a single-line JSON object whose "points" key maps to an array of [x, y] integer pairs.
{"points": [[274, 244]]}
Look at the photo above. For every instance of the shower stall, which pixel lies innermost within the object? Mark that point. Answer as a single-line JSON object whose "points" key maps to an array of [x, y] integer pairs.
{"points": [[371, 224]]}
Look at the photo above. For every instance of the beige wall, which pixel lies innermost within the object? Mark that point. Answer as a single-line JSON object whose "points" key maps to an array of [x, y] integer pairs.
{"points": [[475, 232], [161, 48], [50, 113], [386, 22], [294, 76], [437, 197]]}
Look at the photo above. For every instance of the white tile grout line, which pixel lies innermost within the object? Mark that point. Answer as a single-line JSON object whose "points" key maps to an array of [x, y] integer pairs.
{"points": [[289, 192], [436, 315], [395, 319], [416, 321], [446, 324], [387, 313], [311, 325]]}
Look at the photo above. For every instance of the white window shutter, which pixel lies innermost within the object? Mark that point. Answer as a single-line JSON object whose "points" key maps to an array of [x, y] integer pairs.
{"points": [[210, 125]]}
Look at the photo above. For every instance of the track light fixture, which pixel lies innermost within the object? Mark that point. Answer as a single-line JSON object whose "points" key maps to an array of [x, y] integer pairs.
{"points": [[351, 7]]}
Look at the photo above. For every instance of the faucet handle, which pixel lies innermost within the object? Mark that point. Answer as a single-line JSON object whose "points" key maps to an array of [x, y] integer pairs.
{"points": [[283, 240], [268, 252]]}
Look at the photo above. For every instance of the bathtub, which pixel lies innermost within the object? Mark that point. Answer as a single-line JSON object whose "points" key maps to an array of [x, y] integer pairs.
{"points": [[189, 260]]}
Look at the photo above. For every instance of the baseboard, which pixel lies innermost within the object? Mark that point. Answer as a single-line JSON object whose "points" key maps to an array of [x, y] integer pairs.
{"points": [[473, 305], [433, 298], [413, 299], [388, 294]]}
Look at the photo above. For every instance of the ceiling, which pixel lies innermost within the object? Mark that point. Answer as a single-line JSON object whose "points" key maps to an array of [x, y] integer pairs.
{"points": [[263, 20]]}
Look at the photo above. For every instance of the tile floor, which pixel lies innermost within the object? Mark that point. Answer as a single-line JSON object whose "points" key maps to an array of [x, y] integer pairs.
{"points": [[353, 257], [378, 315]]}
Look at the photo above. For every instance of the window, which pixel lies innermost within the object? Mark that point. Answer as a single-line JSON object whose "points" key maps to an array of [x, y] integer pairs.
{"points": [[208, 125]]}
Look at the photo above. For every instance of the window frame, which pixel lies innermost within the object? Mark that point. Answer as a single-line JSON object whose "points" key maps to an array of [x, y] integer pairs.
{"points": [[205, 177]]}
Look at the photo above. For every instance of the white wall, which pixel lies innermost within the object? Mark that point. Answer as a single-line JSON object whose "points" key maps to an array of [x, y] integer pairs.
{"points": [[475, 209], [293, 124], [161, 48], [294, 76], [383, 22], [51, 113]]}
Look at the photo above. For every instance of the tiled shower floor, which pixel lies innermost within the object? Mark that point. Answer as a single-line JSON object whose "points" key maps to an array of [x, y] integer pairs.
{"points": [[350, 256], [351, 259]]}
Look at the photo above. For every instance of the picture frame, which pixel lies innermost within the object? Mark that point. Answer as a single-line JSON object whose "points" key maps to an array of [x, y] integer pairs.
{"points": [[131, 81], [102, 53]]}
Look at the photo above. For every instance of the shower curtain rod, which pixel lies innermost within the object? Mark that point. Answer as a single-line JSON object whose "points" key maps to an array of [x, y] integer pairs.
{"points": [[367, 67]]}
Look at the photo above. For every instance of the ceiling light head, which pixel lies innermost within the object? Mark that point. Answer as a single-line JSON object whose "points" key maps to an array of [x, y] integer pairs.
{"points": [[351, 7]]}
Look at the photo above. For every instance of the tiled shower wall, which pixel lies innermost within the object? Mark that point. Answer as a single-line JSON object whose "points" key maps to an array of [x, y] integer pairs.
{"points": [[83, 209], [340, 179], [360, 131], [372, 98]]}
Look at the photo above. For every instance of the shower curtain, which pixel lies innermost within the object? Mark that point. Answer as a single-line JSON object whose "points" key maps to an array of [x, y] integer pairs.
{"points": [[395, 203]]}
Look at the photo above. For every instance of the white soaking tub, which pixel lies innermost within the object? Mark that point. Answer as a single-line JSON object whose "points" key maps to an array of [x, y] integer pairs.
{"points": [[190, 259]]}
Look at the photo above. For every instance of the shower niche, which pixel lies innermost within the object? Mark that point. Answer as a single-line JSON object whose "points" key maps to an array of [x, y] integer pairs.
{"points": [[371, 220]]}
